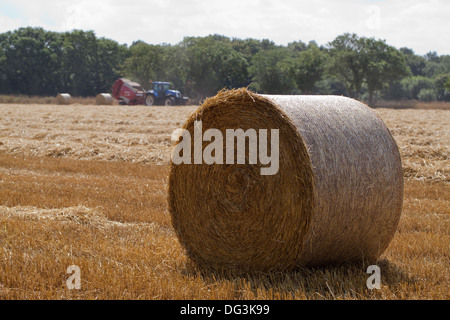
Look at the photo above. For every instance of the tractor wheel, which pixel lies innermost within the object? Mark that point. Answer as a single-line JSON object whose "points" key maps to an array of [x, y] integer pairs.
{"points": [[150, 100], [169, 101]]}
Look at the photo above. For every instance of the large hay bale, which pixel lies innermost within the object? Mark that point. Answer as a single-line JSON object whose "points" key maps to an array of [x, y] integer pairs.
{"points": [[104, 99], [336, 198], [63, 98]]}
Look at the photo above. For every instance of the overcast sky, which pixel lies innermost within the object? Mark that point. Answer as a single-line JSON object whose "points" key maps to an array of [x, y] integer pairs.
{"points": [[422, 25]]}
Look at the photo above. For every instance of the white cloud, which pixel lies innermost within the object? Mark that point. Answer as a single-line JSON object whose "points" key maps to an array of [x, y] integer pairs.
{"points": [[420, 25], [7, 23]]}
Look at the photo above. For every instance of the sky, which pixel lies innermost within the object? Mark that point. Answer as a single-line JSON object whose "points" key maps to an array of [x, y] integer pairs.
{"points": [[421, 25]]}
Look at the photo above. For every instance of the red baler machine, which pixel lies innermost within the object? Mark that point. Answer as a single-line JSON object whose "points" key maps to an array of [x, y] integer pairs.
{"points": [[128, 92]]}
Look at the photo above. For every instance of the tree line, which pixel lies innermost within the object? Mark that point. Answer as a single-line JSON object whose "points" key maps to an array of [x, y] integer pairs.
{"points": [[34, 61]]}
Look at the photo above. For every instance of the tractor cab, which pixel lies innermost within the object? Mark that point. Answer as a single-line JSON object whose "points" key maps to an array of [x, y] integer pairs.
{"points": [[160, 88]]}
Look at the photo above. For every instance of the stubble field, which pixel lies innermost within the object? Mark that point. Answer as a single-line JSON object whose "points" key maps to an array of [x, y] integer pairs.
{"points": [[86, 185]]}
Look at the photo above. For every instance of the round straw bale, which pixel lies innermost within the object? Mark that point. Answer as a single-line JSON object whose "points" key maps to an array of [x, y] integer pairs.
{"points": [[337, 196], [104, 99], [63, 98]]}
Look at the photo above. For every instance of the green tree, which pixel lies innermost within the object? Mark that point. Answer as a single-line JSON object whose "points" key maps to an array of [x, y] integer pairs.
{"points": [[38, 62], [145, 63], [427, 95], [249, 47], [79, 58], [447, 84], [109, 59], [439, 86], [432, 56], [299, 46], [175, 70], [330, 85], [357, 61], [212, 64], [347, 62], [436, 65], [383, 64], [415, 63], [4, 82], [272, 71], [411, 86], [30, 62], [309, 68]]}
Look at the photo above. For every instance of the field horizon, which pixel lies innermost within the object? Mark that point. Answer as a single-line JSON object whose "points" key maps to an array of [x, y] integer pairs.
{"points": [[382, 104]]}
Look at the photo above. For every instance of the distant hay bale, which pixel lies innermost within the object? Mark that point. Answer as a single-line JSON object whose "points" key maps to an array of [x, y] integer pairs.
{"points": [[104, 99], [63, 98], [336, 198]]}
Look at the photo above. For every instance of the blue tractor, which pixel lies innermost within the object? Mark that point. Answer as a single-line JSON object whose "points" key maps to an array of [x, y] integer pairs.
{"points": [[161, 94]]}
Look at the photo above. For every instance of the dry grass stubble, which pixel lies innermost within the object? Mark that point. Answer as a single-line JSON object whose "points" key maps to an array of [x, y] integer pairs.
{"points": [[110, 217], [112, 133]]}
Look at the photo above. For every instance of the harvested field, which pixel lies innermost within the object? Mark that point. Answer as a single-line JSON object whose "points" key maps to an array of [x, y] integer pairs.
{"points": [[86, 186], [423, 137], [143, 134], [135, 134]]}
